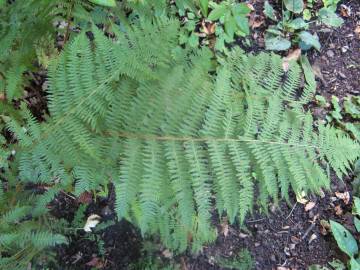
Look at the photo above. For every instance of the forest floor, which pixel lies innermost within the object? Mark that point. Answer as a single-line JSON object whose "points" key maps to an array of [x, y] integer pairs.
{"points": [[292, 236]]}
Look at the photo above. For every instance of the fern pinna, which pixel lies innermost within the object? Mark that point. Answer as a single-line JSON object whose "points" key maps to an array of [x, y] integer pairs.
{"points": [[175, 140]]}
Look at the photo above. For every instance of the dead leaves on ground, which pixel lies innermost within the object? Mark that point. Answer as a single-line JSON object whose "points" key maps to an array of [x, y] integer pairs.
{"points": [[225, 227], [344, 196], [85, 197], [345, 11], [293, 55], [96, 262], [208, 28], [309, 206], [255, 21]]}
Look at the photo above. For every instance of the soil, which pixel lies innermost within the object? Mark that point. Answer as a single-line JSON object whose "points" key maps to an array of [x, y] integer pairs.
{"points": [[289, 237]]}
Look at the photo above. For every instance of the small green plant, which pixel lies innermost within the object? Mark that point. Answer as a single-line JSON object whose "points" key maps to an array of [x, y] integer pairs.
{"points": [[327, 14], [24, 236], [226, 20], [346, 117], [231, 18], [240, 261], [346, 243], [291, 27], [345, 240]]}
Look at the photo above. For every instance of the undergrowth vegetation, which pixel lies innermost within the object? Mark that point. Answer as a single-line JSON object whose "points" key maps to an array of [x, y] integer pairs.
{"points": [[182, 132]]}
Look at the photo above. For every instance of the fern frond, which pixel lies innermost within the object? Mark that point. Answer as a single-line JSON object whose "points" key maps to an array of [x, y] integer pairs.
{"points": [[176, 142]]}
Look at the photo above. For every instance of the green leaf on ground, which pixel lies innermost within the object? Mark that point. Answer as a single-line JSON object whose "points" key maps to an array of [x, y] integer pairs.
{"points": [[269, 11], [310, 40], [330, 18], [217, 12], [298, 23], [295, 6], [344, 239], [277, 43]]}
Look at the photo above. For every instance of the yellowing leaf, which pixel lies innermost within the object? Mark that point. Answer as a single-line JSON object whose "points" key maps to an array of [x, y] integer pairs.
{"points": [[300, 198]]}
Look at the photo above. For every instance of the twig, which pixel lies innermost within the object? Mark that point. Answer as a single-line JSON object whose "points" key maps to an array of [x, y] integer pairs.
{"points": [[292, 210], [256, 220], [308, 230]]}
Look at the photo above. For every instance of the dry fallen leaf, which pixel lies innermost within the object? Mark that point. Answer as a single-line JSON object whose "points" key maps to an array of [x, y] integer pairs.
{"points": [[309, 206], [2, 96], [256, 21], [338, 210], [345, 11], [344, 196], [91, 222], [324, 227], [317, 71], [85, 197], [208, 28], [300, 198], [357, 31], [183, 264], [250, 6], [96, 262], [225, 227], [292, 56]]}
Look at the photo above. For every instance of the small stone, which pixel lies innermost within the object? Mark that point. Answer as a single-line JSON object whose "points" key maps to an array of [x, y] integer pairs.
{"points": [[330, 53], [287, 251], [257, 244], [344, 49], [312, 238], [292, 246], [243, 235], [342, 75]]}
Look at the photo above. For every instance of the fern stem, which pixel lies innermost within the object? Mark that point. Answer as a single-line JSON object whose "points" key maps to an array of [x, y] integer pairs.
{"points": [[201, 139]]}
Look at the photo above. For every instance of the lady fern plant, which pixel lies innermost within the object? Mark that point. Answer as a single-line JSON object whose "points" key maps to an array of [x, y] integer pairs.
{"points": [[176, 140], [23, 236]]}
